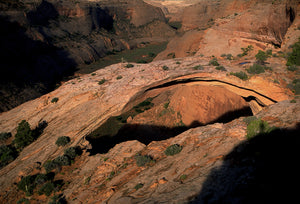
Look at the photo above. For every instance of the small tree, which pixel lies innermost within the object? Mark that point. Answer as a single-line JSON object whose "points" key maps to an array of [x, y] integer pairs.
{"points": [[62, 141], [261, 57], [24, 135]]}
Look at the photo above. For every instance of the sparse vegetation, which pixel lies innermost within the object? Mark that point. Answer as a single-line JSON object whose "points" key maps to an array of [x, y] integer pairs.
{"points": [[129, 65], [142, 160], [143, 106], [119, 77], [62, 160], [214, 62], [47, 189], [62, 141], [7, 155], [165, 68], [5, 135], [256, 69], [256, 127], [73, 152], [242, 75], [221, 68], [295, 86], [138, 186], [294, 56], [171, 55], [54, 100], [27, 185], [261, 57], [173, 149], [198, 67], [24, 135], [102, 81], [246, 50], [292, 68], [183, 177]]}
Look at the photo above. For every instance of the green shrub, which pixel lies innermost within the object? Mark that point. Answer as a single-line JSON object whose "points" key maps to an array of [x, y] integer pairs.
{"points": [[142, 160], [246, 50], [27, 185], [7, 155], [73, 152], [242, 75], [165, 68], [23, 200], [256, 127], [198, 67], [138, 186], [256, 69], [229, 57], [42, 178], [62, 160], [292, 68], [24, 135], [46, 189], [129, 65], [102, 81], [119, 77], [295, 86], [173, 149], [54, 100], [183, 177], [50, 165], [221, 68], [261, 57], [62, 141], [214, 62], [294, 57], [5, 135]]}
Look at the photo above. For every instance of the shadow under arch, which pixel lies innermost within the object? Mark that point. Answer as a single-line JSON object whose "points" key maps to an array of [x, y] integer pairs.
{"points": [[263, 169]]}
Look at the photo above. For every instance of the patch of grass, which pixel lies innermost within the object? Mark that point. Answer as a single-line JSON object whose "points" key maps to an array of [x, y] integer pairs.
{"points": [[183, 177], [256, 69], [173, 149], [256, 127], [143, 160], [242, 75]]}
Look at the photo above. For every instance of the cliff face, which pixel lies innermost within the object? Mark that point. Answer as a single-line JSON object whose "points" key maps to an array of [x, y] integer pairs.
{"points": [[231, 25], [43, 41]]}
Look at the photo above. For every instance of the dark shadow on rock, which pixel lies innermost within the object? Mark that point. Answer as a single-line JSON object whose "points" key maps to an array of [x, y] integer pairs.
{"points": [[42, 14], [102, 142], [28, 68], [101, 18], [263, 169]]}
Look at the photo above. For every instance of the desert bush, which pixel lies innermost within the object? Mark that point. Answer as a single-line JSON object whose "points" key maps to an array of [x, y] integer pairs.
{"points": [[221, 68], [138, 186], [62, 141], [246, 50], [256, 69], [43, 178], [261, 57], [295, 86], [73, 152], [198, 67], [173, 149], [256, 127], [5, 135], [50, 165], [47, 189], [7, 155], [24, 135], [102, 81], [62, 160], [129, 65], [54, 100], [165, 68], [214, 62], [27, 185], [292, 68], [294, 56], [242, 75], [142, 160]]}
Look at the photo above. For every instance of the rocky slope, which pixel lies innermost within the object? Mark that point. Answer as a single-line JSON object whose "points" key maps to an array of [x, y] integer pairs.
{"points": [[232, 140], [215, 26], [84, 105]]}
